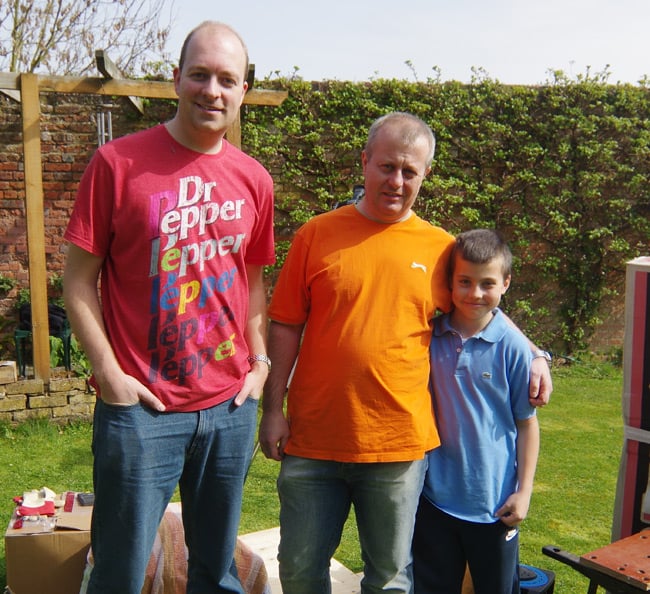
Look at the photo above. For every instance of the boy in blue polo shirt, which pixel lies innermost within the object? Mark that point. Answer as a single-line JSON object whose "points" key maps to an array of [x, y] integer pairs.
{"points": [[480, 480]]}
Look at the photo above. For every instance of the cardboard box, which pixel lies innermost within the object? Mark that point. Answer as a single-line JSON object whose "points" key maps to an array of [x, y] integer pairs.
{"points": [[49, 562], [46, 563]]}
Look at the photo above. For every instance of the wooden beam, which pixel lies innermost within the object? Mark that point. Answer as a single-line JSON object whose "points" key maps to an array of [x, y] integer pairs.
{"points": [[122, 88], [9, 81], [15, 95], [110, 70], [265, 97], [31, 116], [138, 88]]}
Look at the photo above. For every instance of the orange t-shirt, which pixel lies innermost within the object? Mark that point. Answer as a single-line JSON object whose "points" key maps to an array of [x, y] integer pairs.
{"points": [[367, 292]]}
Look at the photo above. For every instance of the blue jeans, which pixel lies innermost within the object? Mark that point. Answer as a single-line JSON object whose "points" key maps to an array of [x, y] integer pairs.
{"points": [[315, 499], [140, 457]]}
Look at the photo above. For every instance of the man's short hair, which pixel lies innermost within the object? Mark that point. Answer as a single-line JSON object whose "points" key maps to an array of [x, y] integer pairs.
{"points": [[216, 25], [417, 128]]}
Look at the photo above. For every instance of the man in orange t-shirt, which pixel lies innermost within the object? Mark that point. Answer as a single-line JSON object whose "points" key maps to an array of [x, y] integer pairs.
{"points": [[363, 282]]}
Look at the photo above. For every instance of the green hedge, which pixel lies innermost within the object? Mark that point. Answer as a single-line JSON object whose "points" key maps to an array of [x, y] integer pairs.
{"points": [[561, 169]]}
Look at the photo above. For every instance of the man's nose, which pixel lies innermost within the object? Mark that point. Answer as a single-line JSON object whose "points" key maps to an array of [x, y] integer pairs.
{"points": [[212, 87], [396, 178]]}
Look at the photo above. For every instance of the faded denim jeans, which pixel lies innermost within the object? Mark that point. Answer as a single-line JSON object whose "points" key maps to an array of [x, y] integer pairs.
{"points": [[140, 457], [315, 500]]}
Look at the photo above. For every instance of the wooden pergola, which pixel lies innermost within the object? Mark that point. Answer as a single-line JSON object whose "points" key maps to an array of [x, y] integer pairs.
{"points": [[28, 87]]}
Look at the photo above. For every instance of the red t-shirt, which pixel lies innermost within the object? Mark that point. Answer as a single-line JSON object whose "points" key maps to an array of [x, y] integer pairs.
{"points": [[176, 229]]}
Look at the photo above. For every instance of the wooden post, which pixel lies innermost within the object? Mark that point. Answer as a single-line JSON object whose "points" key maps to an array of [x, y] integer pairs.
{"points": [[31, 115], [233, 134]]}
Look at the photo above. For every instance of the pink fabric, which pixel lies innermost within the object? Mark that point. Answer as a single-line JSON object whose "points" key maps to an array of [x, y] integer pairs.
{"points": [[167, 568]]}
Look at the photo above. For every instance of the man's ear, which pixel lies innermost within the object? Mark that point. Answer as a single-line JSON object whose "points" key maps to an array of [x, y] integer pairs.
{"points": [[243, 95], [176, 75]]}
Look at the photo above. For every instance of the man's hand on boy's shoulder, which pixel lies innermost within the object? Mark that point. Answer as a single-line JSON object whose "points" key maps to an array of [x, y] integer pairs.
{"points": [[541, 384]]}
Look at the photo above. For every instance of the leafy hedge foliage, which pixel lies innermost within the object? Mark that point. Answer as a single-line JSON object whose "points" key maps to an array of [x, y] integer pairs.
{"points": [[561, 169]]}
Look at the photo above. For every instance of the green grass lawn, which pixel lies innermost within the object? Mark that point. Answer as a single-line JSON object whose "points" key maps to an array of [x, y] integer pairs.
{"points": [[574, 489]]}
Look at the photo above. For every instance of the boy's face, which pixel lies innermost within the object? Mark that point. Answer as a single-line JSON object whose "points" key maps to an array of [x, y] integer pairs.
{"points": [[476, 289]]}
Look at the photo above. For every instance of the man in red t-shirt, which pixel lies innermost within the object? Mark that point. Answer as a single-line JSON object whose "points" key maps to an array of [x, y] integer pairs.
{"points": [[178, 224]]}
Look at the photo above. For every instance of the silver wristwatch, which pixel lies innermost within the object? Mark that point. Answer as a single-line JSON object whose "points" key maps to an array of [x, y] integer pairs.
{"points": [[545, 354], [262, 358]]}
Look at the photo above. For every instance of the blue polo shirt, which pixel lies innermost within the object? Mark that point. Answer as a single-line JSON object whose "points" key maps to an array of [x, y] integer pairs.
{"points": [[479, 387]]}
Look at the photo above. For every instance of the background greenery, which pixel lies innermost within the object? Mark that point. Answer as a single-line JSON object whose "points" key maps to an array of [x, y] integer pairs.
{"points": [[562, 169], [572, 505]]}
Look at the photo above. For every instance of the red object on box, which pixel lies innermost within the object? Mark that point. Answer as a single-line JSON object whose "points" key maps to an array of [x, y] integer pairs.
{"points": [[47, 509]]}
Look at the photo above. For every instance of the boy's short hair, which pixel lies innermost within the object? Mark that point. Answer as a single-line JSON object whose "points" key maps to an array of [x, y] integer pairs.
{"points": [[481, 246]]}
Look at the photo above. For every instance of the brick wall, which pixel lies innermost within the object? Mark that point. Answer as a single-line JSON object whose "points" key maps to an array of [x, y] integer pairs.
{"points": [[68, 140], [67, 137], [609, 336], [12, 211], [60, 401]]}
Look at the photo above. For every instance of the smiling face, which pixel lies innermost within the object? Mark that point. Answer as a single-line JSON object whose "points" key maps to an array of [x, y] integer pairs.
{"points": [[210, 85], [393, 167], [476, 289]]}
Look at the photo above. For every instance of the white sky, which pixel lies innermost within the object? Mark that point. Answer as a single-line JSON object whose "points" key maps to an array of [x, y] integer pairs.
{"points": [[514, 41]]}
